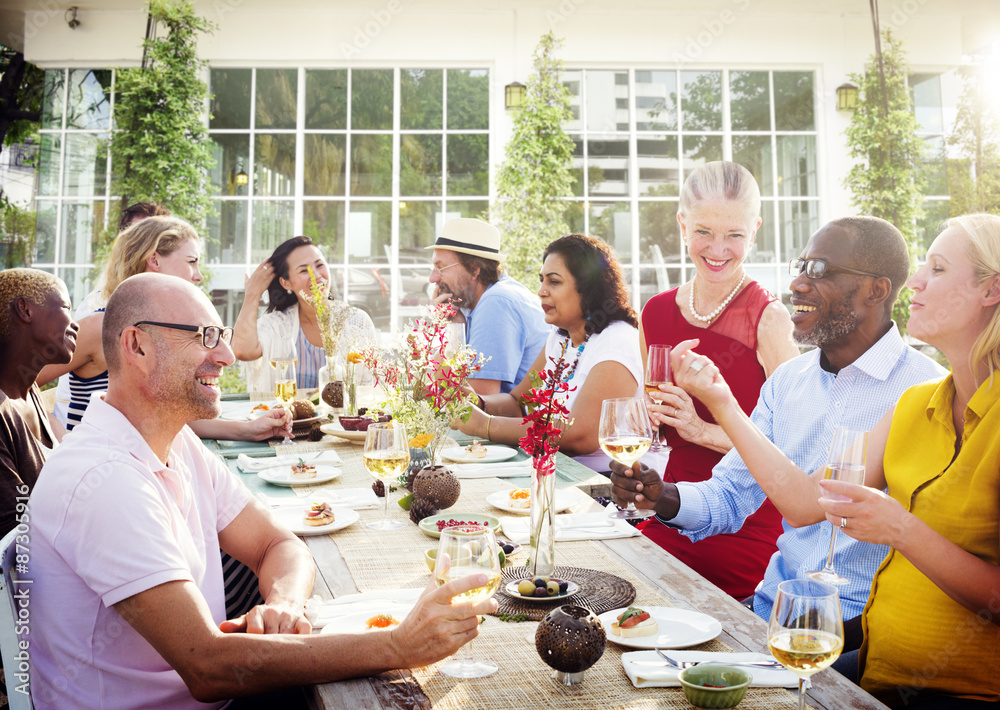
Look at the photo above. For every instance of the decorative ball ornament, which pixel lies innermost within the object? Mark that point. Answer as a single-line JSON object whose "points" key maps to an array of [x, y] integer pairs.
{"points": [[570, 639], [722, 306]]}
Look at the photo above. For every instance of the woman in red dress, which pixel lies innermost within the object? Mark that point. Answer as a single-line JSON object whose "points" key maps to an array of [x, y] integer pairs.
{"points": [[748, 333]]}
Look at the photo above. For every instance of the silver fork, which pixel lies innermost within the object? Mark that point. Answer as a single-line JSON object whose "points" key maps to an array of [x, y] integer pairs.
{"points": [[688, 664]]}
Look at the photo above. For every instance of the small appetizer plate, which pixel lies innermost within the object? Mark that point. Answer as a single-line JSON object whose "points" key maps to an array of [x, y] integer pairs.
{"points": [[677, 628], [294, 520], [458, 454], [358, 623], [510, 588], [334, 429], [282, 475], [501, 500]]}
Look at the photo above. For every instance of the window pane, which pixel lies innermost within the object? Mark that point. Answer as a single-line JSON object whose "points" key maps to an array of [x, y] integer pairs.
{"points": [[656, 100], [656, 280], [89, 104], [793, 101], [699, 150], [609, 167], [77, 284], [81, 225], [797, 221], [232, 162], [468, 164], [576, 168], [274, 170], [369, 231], [45, 232], [612, 222], [419, 223], [574, 217], [749, 101], [325, 166], [659, 234], [230, 98], [420, 100], [272, 224], [52, 99], [932, 167], [48, 164], [659, 165], [797, 165], [764, 250], [371, 165], [368, 288], [326, 98], [277, 90], [926, 90], [227, 233], [935, 214], [323, 222], [754, 153], [420, 164], [701, 100], [468, 99], [86, 168], [480, 209], [572, 80], [371, 99], [607, 101]]}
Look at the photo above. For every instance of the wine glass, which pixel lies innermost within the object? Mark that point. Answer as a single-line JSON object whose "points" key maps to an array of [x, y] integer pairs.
{"points": [[465, 550], [846, 462], [283, 359], [806, 632], [657, 373], [386, 456], [625, 435]]}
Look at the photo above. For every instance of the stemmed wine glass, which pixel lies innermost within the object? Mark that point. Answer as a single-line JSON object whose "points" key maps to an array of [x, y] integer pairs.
{"points": [[806, 632], [465, 550], [386, 456], [846, 462], [283, 359], [657, 373], [625, 435]]}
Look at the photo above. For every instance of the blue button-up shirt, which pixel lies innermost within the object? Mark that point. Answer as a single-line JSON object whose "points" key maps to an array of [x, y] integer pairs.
{"points": [[799, 407]]}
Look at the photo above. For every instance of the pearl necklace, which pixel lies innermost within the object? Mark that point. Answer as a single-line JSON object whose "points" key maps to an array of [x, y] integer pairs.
{"points": [[711, 316]]}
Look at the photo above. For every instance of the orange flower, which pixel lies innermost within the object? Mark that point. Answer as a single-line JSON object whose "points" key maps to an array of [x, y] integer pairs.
{"points": [[421, 440], [354, 358]]}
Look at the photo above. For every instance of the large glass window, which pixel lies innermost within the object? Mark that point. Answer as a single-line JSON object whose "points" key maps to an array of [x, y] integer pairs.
{"points": [[925, 90]]}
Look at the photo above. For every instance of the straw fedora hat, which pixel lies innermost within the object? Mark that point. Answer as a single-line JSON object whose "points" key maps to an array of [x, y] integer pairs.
{"points": [[469, 236]]}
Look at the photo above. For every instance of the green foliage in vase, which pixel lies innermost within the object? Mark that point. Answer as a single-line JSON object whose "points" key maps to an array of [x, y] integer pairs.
{"points": [[974, 177], [883, 137], [160, 148], [535, 173]]}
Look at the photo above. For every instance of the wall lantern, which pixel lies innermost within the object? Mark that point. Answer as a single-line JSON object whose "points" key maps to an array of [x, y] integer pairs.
{"points": [[241, 178], [847, 97], [514, 95]]}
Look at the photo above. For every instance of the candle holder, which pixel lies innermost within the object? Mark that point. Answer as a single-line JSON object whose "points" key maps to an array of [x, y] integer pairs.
{"points": [[570, 639]]}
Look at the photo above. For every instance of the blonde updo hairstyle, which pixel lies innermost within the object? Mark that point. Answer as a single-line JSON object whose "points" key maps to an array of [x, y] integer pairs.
{"points": [[161, 235], [983, 251], [720, 181]]}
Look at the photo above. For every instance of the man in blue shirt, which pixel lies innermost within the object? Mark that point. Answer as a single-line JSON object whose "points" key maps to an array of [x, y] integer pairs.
{"points": [[503, 319], [846, 282]]}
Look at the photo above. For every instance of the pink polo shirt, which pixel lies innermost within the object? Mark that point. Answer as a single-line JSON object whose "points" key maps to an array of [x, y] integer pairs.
{"points": [[108, 521]]}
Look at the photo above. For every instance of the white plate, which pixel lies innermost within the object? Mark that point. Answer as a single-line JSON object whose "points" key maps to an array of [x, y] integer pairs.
{"points": [[294, 520], [355, 437], [572, 588], [458, 454], [501, 500], [310, 420], [241, 411], [357, 623], [282, 475], [677, 628]]}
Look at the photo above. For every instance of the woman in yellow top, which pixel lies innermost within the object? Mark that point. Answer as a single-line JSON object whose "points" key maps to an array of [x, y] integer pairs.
{"points": [[932, 623]]}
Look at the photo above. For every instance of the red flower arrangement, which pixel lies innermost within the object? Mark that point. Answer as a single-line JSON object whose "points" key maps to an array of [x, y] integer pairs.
{"points": [[542, 406]]}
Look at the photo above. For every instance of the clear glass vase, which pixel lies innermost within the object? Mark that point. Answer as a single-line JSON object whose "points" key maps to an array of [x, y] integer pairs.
{"points": [[333, 371], [542, 560]]}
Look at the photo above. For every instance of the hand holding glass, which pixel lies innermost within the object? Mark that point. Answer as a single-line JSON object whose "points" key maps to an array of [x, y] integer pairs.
{"points": [[386, 456], [657, 373], [625, 435]]}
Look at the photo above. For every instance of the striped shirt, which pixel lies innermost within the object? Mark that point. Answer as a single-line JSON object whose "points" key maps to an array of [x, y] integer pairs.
{"points": [[799, 407], [80, 390], [311, 358]]}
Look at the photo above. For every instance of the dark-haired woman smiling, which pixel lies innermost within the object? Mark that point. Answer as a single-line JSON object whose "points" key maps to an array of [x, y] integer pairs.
{"points": [[585, 301]]}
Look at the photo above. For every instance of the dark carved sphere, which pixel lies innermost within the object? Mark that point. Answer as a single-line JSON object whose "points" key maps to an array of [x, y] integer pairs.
{"points": [[570, 639]]}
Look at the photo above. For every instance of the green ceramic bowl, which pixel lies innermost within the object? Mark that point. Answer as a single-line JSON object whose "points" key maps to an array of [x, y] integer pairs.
{"points": [[430, 557], [714, 686]]}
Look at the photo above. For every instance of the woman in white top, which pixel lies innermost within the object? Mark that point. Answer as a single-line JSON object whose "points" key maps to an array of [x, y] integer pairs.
{"points": [[585, 301]]}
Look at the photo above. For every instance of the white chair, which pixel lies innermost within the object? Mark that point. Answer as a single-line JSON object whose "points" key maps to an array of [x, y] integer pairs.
{"points": [[16, 699]]}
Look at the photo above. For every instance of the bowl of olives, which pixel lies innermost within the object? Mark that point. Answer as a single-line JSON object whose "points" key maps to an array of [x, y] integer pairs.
{"points": [[542, 589]]}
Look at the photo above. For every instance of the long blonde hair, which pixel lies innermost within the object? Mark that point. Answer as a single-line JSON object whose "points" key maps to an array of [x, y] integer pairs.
{"points": [[983, 231], [162, 235]]}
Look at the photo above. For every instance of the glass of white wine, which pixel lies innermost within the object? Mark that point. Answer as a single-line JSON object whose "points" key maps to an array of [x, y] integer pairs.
{"points": [[283, 359], [806, 632], [465, 550], [625, 435], [846, 462], [657, 373], [386, 456]]}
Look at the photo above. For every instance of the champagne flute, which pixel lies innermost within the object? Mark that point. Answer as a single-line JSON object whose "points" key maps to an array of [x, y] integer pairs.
{"points": [[283, 359], [806, 632], [465, 550], [625, 435], [386, 456], [846, 462], [657, 373]]}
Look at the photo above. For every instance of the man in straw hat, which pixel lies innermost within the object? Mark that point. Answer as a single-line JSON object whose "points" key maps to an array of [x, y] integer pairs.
{"points": [[503, 319]]}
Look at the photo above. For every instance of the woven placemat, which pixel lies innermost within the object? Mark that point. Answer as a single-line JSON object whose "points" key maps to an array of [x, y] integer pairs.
{"points": [[599, 592]]}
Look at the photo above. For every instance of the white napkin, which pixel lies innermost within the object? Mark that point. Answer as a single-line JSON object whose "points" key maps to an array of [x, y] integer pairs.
{"points": [[354, 498], [383, 601], [573, 526], [247, 464], [663, 676], [506, 469]]}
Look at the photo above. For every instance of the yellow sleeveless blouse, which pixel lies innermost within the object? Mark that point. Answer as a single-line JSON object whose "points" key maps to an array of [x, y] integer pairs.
{"points": [[918, 641]]}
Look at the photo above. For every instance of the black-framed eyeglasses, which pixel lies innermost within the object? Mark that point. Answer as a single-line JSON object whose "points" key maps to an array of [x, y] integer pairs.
{"points": [[818, 268], [210, 334]]}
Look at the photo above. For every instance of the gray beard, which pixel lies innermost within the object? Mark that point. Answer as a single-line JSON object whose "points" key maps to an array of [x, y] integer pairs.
{"points": [[841, 322]]}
